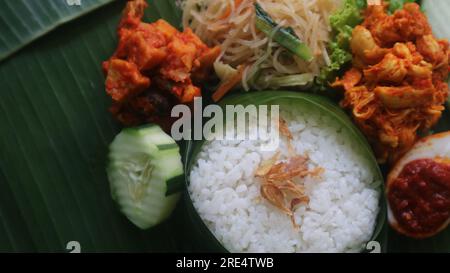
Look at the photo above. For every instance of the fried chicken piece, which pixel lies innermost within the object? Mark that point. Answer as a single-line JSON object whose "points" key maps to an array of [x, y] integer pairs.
{"points": [[404, 96], [403, 50], [364, 46], [403, 85], [124, 80], [434, 51], [361, 101], [381, 25], [410, 22], [184, 53], [186, 92], [132, 14], [146, 47], [130, 21], [154, 56], [390, 69], [351, 79], [406, 24]]}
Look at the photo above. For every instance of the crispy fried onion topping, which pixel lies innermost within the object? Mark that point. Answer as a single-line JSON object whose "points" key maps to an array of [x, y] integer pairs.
{"points": [[281, 180]]}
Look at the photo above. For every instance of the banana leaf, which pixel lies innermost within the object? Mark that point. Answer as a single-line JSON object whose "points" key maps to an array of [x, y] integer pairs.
{"points": [[23, 21], [55, 129]]}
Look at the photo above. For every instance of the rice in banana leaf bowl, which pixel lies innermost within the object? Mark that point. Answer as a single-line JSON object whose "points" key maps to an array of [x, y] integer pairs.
{"points": [[324, 169]]}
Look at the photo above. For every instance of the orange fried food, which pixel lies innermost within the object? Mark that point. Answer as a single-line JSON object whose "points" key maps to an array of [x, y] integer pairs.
{"points": [[154, 64], [145, 46], [132, 14], [404, 25], [184, 50], [397, 86], [124, 80]]}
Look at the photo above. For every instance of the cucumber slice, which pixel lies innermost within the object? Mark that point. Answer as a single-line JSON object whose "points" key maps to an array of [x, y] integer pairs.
{"points": [[141, 162]]}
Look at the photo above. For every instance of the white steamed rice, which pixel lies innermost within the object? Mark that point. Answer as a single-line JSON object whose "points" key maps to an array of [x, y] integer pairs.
{"points": [[343, 206]]}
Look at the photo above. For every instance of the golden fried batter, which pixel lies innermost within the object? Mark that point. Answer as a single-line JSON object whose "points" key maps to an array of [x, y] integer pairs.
{"points": [[153, 68], [397, 86]]}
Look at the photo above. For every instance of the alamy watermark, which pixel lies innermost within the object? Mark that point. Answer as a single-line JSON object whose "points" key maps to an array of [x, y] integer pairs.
{"points": [[373, 247], [230, 122], [73, 2], [73, 247]]}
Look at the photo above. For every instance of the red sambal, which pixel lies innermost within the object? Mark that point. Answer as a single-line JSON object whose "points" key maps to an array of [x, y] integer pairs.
{"points": [[420, 197]]}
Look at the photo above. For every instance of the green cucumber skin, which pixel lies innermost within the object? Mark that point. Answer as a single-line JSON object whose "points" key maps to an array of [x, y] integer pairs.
{"points": [[144, 202], [175, 184]]}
